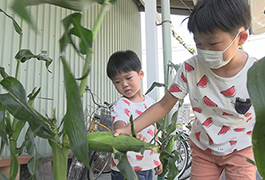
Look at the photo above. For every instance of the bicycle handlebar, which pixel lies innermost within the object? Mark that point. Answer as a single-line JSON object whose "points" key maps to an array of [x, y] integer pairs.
{"points": [[105, 105]]}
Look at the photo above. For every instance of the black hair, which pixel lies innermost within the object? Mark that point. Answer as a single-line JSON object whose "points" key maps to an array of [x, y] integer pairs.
{"points": [[123, 61], [226, 15]]}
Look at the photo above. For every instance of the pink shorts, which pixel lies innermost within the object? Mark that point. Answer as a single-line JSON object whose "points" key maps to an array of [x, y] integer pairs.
{"points": [[206, 166]]}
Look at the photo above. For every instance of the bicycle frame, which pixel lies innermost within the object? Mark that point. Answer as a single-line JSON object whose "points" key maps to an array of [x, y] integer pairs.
{"points": [[92, 128]]}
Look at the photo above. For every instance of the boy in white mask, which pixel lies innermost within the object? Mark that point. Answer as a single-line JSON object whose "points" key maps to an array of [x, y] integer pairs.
{"points": [[215, 80]]}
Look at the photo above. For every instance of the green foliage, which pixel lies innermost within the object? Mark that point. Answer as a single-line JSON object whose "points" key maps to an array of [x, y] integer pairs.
{"points": [[256, 88], [16, 108], [168, 155]]}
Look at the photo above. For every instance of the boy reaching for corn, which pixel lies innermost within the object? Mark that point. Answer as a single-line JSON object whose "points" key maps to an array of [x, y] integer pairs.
{"points": [[216, 81]]}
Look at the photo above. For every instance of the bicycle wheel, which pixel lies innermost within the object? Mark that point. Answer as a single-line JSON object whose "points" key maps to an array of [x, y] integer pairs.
{"points": [[99, 163], [76, 170], [182, 148]]}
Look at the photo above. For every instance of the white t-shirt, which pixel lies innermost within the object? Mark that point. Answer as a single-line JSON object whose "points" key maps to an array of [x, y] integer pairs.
{"points": [[224, 114], [122, 111]]}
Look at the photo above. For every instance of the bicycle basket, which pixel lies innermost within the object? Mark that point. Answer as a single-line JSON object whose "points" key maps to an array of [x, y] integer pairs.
{"points": [[105, 119]]}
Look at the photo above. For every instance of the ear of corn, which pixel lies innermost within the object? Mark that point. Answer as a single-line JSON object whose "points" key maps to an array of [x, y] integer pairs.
{"points": [[105, 141]]}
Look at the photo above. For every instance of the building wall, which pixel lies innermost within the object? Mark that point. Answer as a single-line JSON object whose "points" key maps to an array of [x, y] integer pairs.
{"points": [[120, 30]]}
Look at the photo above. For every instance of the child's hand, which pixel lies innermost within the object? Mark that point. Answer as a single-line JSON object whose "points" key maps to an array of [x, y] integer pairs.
{"points": [[159, 169], [125, 131], [141, 137]]}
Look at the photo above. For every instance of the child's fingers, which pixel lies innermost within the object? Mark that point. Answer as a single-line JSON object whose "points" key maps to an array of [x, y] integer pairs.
{"points": [[123, 131], [141, 137]]}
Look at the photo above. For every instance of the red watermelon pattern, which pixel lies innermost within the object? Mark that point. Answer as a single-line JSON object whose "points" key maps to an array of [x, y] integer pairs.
{"points": [[199, 110], [224, 130], [210, 139], [138, 112], [203, 82], [174, 88], [188, 67], [227, 114], [208, 122], [207, 101], [139, 157], [230, 92], [183, 78]]}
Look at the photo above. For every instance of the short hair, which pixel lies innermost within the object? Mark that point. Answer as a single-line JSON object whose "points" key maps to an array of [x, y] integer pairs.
{"points": [[123, 61], [226, 15]]}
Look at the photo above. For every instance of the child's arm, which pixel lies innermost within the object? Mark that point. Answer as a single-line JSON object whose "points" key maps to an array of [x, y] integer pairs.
{"points": [[153, 114]]}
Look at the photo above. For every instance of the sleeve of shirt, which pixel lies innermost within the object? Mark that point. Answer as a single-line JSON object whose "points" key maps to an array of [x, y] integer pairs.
{"points": [[121, 112], [179, 86]]}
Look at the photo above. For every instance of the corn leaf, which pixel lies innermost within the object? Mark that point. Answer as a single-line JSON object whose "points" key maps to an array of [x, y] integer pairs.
{"points": [[2, 176], [84, 35], [25, 54], [173, 170], [74, 118], [15, 24], [13, 160], [155, 84], [77, 5], [19, 7], [15, 102], [256, 88], [3, 133], [124, 166]]}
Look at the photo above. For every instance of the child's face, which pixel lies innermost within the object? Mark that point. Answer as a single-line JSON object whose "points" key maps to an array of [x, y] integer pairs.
{"points": [[128, 84], [218, 41]]}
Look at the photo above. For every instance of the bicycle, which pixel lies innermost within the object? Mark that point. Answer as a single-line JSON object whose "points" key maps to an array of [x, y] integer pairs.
{"points": [[182, 144], [98, 119]]}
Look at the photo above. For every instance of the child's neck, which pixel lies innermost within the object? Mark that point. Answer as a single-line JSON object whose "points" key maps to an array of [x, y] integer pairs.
{"points": [[139, 97]]}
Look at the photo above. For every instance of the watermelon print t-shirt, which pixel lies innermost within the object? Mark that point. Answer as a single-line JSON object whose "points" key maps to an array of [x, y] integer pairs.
{"points": [[224, 114], [122, 111]]}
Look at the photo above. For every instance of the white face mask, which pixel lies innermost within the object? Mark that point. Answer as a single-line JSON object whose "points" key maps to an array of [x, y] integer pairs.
{"points": [[214, 59]]}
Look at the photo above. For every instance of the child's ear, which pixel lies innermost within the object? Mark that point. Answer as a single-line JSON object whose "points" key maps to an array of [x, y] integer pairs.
{"points": [[141, 74], [242, 37]]}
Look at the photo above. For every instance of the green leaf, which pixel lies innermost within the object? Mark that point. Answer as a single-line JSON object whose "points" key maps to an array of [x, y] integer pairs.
{"points": [[172, 126], [2, 72], [155, 84], [3, 133], [77, 5], [251, 161], [25, 54], [85, 35], [125, 167], [15, 24], [36, 157], [74, 118], [175, 66], [132, 127], [19, 7], [173, 170], [13, 160], [2, 176], [15, 102], [256, 88]]}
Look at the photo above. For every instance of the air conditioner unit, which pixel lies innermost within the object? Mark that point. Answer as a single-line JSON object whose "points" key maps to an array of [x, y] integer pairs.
{"points": [[257, 8]]}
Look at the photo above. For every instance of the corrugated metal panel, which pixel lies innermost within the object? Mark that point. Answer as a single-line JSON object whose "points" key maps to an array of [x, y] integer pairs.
{"points": [[120, 31]]}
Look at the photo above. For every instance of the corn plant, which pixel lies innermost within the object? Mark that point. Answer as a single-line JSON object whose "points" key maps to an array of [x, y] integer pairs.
{"points": [[16, 109], [256, 88], [168, 155]]}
